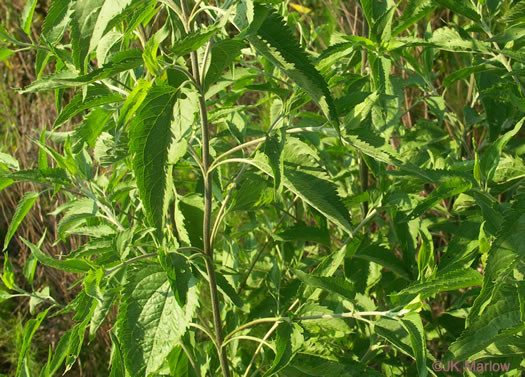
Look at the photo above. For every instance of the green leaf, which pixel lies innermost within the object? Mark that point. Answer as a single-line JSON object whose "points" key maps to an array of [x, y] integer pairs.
{"points": [[306, 179], [449, 281], [110, 10], [332, 284], [5, 53], [228, 291], [223, 53], [9, 161], [94, 97], [133, 101], [490, 159], [275, 42], [27, 16], [122, 61], [83, 20], [179, 274], [57, 19], [8, 277], [29, 331], [301, 232], [150, 321], [150, 137], [30, 268], [152, 46], [412, 323], [462, 7], [386, 258], [500, 319], [413, 12], [68, 265], [23, 207], [514, 15], [465, 72], [450, 187], [193, 40], [283, 345], [272, 148]]}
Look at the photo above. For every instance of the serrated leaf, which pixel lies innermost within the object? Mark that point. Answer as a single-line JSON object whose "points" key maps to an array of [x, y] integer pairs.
{"points": [[150, 137], [275, 42], [24, 206], [283, 353], [381, 255], [51, 175], [272, 148], [301, 232], [465, 72], [462, 7], [133, 101], [57, 20], [306, 179], [122, 61], [223, 53], [83, 19], [151, 48], [110, 9], [193, 40], [412, 323], [150, 321], [450, 187], [69, 265], [413, 12], [228, 291], [500, 319], [94, 97], [27, 16], [490, 159], [449, 281], [515, 14], [332, 284], [9, 161]]}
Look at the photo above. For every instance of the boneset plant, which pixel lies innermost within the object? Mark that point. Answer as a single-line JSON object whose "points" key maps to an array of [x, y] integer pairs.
{"points": [[260, 196]]}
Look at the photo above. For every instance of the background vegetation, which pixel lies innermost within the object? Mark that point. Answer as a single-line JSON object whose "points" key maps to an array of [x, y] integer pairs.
{"points": [[368, 201]]}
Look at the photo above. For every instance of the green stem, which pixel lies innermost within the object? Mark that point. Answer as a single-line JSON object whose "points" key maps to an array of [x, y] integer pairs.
{"points": [[206, 225]]}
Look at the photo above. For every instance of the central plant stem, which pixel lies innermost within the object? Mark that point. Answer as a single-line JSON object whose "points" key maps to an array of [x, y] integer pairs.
{"points": [[206, 226]]}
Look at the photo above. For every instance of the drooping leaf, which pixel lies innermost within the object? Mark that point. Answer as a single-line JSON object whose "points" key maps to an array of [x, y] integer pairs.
{"points": [[23, 207], [413, 12], [122, 61], [275, 42], [94, 97], [223, 53], [283, 353], [412, 323], [462, 7], [450, 187], [151, 321], [69, 265], [150, 137], [332, 284], [381, 255], [445, 282]]}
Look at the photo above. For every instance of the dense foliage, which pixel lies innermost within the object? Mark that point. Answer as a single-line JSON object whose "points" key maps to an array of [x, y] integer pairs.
{"points": [[261, 189]]}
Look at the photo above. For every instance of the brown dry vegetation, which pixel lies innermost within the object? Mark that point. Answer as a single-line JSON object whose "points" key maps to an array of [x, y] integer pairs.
{"points": [[20, 116]]}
